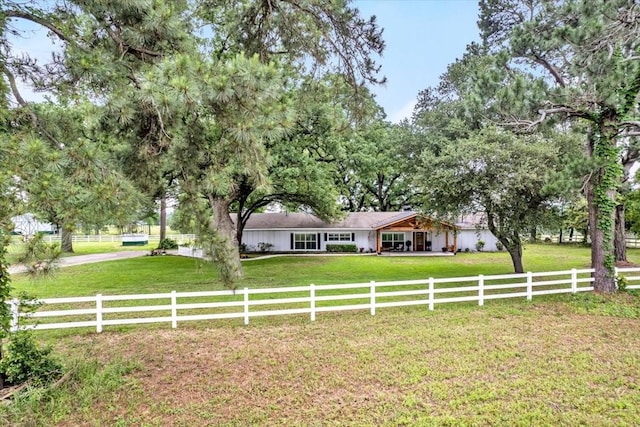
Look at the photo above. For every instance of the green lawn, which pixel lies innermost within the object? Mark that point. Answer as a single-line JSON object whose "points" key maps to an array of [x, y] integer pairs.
{"points": [[167, 273], [80, 248]]}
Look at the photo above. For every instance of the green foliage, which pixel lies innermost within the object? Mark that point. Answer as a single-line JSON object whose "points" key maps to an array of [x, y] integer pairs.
{"points": [[622, 283], [5, 286], [265, 247], [499, 246], [39, 257], [344, 247], [496, 172], [480, 245], [622, 305], [595, 60], [24, 361], [377, 173], [89, 382], [168, 244]]}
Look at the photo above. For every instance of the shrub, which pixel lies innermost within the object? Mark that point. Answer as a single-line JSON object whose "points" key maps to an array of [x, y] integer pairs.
{"points": [[168, 244], [346, 247], [480, 245], [499, 246], [24, 361], [265, 246], [40, 258]]}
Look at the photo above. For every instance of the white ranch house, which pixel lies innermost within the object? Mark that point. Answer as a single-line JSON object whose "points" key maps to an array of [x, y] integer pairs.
{"points": [[369, 231]]}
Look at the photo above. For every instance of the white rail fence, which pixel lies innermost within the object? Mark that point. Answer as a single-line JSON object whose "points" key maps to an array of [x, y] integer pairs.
{"points": [[115, 238], [173, 307]]}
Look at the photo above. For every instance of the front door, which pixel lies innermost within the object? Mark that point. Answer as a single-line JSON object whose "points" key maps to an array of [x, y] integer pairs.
{"points": [[418, 241]]}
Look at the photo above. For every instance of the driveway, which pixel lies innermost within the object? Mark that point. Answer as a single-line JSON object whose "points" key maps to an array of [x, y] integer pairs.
{"points": [[87, 259]]}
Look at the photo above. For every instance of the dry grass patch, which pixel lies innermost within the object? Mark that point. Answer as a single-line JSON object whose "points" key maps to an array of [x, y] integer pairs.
{"points": [[519, 364]]}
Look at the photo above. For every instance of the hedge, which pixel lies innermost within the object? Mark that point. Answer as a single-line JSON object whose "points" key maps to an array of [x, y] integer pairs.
{"points": [[347, 247]]}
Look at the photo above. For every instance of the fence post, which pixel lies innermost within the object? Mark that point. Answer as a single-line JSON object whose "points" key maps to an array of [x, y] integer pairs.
{"points": [[312, 301], [373, 298], [174, 310], [246, 306], [15, 313], [480, 290], [431, 295], [529, 286], [574, 280], [99, 313]]}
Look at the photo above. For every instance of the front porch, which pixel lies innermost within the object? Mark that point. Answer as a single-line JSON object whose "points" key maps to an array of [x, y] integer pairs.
{"points": [[416, 254], [416, 235]]}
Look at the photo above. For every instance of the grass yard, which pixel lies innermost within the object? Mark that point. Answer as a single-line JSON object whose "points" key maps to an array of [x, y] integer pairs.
{"points": [[508, 364], [167, 273], [566, 360], [80, 248]]}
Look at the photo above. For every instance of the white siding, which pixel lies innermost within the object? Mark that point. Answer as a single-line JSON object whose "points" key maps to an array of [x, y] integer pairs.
{"points": [[469, 237], [281, 239], [366, 239]]}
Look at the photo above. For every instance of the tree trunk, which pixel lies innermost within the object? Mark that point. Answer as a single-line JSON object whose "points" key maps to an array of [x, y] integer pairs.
{"points": [[66, 241], [620, 240], [224, 247], [163, 218], [515, 251], [533, 235], [603, 277], [560, 237]]}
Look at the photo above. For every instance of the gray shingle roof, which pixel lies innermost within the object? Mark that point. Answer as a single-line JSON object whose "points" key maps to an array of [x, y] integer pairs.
{"points": [[298, 220]]}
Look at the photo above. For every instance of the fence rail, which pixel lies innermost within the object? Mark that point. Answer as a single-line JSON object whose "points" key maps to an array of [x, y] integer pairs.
{"points": [[631, 241], [115, 238], [173, 307]]}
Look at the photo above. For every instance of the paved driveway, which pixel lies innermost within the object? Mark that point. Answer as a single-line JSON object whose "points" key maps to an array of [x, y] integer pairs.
{"points": [[87, 259]]}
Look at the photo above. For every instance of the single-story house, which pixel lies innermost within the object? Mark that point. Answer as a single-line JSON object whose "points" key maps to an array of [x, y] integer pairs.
{"points": [[369, 231]]}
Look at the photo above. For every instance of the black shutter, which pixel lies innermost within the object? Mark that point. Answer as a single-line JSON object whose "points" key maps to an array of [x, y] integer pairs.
{"points": [[291, 241], [353, 237], [325, 237], [318, 243]]}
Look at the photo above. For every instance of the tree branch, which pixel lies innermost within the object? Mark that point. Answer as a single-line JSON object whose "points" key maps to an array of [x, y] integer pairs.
{"points": [[37, 20], [25, 104], [556, 75], [124, 46]]}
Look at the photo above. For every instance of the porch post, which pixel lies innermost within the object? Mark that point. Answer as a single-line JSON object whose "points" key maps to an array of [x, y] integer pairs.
{"points": [[455, 242], [378, 241]]}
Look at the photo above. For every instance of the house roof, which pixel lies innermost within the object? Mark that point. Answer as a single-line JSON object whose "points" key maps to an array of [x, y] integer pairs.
{"points": [[300, 220]]}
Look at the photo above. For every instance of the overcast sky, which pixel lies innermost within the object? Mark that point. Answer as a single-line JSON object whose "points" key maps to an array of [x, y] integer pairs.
{"points": [[422, 37]]}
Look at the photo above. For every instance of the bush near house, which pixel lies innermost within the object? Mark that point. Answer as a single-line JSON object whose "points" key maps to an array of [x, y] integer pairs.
{"points": [[345, 247], [168, 244]]}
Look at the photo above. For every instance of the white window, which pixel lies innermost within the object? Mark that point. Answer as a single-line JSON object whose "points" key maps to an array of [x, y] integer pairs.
{"points": [[305, 241], [339, 237], [392, 241]]}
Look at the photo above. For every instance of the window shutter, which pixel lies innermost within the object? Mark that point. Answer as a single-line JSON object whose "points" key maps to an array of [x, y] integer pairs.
{"points": [[291, 241], [318, 242], [353, 237], [325, 237]]}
